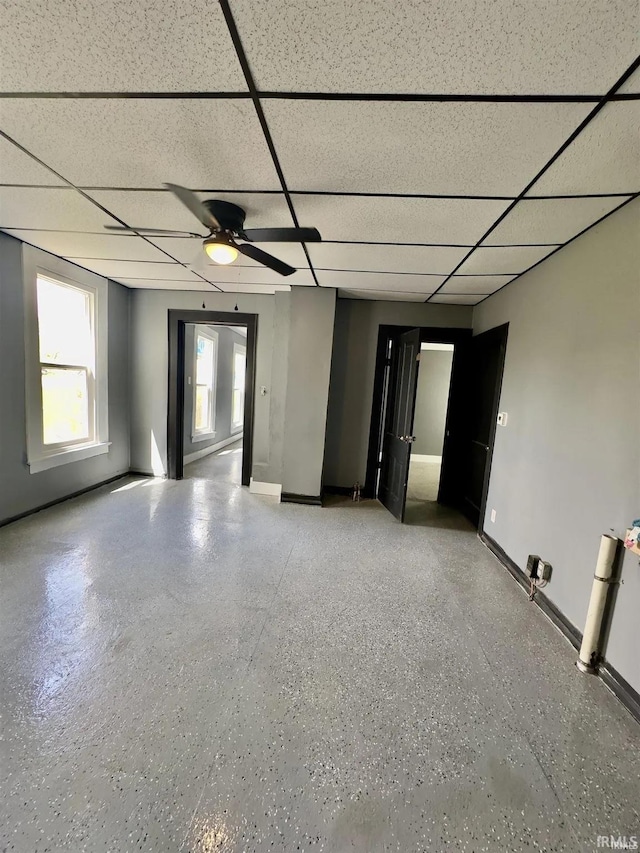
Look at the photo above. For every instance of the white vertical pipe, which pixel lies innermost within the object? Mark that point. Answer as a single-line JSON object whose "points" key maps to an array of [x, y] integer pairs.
{"points": [[590, 651]]}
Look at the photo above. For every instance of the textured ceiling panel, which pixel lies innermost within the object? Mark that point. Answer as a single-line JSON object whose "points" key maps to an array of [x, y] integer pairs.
{"points": [[138, 269], [414, 259], [186, 250], [398, 220], [66, 210], [163, 284], [387, 296], [457, 298], [73, 244], [144, 143], [253, 275], [605, 157], [475, 283], [466, 149], [632, 85], [550, 220], [486, 46], [89, 46], [163, 210], [504, 259], [380, 281], [243, 287], [16, 167]]}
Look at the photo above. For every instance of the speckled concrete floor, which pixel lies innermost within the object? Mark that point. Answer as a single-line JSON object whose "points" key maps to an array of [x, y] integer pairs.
{"points": [[189, 667]]}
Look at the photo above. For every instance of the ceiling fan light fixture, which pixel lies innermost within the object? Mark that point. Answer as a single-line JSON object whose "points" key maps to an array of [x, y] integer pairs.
{"points": [[221, 253]]}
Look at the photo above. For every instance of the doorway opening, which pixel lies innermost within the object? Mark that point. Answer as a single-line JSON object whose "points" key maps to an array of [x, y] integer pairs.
{"points": [[429, 421], [212, 366], [215, 366], [459, 478]]}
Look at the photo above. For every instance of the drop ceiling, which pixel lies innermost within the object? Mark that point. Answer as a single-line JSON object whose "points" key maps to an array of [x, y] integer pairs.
{"points": [[442, 149]]}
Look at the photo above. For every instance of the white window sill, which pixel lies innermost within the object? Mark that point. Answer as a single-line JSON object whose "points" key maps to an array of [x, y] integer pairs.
{"points": [[64, 457], [202, 436], [236, 428]]}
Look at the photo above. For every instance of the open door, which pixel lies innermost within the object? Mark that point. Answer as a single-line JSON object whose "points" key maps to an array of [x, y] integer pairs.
{"points": [[471, 422], [398, 436]]}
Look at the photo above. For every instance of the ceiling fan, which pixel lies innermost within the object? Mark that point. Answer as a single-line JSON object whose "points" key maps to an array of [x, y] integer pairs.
{"points": [[225, 222]]}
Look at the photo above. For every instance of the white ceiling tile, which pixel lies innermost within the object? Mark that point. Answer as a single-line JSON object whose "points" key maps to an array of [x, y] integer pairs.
{"points": [[382, 295], [254, 275], [475, 283], [488, 46], [16, 167], [116, 46], [414, 259], [186, 249], [380, 281], [145, 142], [163, 210], [604, 158], [550, 220], [247, 287], [632, 86], [458, 148], [138, 269], [66, 210], [457, 298], [504, 259], [398, 220], [163, 284], [74, 244]]}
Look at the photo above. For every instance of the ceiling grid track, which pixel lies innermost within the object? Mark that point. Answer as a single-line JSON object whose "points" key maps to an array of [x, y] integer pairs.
{"points": [[583, 124], [246, 70]]}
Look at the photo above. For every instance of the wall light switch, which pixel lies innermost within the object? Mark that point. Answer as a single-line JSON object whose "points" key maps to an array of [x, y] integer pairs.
{"points": [[502, 418], [493, 515]]}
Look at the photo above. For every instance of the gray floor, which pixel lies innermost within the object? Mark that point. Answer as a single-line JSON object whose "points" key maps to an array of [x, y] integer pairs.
{"points": [[189, 667]]}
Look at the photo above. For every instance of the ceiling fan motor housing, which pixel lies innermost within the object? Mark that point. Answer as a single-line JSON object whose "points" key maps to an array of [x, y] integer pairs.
{"points": [[230, 216]]}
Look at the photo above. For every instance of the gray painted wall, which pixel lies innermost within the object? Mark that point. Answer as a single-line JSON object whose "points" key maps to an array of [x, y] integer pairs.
{"points": [[21, 491], [432, 398], [352, 375], [224, 386], [566, 468], [312, 312], [149, 368]]}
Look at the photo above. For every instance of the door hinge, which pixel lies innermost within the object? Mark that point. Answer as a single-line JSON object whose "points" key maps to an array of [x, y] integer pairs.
{"points": [[418, 357]]}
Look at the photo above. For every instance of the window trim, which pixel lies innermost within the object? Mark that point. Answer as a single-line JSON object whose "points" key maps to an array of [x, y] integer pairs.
{"points": [[237, 426], [39, 456], [204, 435]]}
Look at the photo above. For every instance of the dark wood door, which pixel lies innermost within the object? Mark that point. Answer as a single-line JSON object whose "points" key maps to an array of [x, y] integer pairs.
{"points": [[398, 435], [470, 431]]}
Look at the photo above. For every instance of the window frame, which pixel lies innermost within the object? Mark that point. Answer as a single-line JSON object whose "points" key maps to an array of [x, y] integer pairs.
{"points": [[237, 426], [204, 434], [40, 456]]}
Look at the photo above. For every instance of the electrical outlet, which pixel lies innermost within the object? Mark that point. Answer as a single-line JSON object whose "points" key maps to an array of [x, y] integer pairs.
{"points": [[532, 566], [544, 570], [502, 418], [493, 515]]}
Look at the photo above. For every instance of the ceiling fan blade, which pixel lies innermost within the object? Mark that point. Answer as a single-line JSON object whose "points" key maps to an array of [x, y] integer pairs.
{"points": [[191, 201], [283, 235], [265, 258], [151, 231]]}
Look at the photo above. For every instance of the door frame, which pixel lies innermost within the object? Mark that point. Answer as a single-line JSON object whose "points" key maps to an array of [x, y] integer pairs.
{"points": [[500, 332], [428, 334], [177, 320]]}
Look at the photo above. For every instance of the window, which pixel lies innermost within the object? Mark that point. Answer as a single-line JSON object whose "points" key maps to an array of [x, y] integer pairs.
{"points": [[237, 403], [204, 397], [66, 363]]}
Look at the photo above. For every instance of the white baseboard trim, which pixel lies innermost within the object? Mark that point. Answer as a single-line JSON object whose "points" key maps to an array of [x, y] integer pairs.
{"points": [[421, 457], [257, 488], [200, 454]]}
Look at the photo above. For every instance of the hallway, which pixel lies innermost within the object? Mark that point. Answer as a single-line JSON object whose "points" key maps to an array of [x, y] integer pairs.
{"points": [[190, 667]]}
